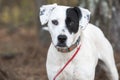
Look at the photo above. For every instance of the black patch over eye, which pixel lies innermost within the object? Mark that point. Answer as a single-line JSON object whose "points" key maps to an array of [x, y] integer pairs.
{"points": [[73, 15], [55, 22], [71, 23]]}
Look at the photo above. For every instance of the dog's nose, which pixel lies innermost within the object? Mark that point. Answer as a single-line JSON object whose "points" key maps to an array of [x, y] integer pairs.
{"points": [[62, 38]]}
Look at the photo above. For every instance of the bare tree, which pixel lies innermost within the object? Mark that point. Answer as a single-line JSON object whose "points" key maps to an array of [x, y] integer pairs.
{"points": [[115, 25], [41, 33], [106, 15]]}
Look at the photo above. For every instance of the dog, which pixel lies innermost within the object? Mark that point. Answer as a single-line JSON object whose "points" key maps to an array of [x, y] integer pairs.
{"points": [[76, 45]]}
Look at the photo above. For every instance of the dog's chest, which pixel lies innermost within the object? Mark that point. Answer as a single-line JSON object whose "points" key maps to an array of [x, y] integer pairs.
{"points": [[68, 71], [76, 68]]}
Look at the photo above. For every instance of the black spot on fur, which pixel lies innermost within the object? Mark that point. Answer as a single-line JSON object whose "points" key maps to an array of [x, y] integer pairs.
{"points": [[72, 19]]}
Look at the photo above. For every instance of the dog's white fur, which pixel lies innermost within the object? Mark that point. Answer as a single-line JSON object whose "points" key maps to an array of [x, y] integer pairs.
{"points": [[94, 46]]}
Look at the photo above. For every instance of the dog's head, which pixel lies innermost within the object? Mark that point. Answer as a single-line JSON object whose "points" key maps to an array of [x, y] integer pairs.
{"points": [[64, 23]]}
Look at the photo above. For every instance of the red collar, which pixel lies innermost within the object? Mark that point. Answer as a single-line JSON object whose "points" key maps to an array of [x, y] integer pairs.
{"points": [[67, 63]]}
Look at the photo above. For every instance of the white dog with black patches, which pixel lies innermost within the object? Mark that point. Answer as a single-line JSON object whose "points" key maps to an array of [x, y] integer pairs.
{"points": [[76, 44]]}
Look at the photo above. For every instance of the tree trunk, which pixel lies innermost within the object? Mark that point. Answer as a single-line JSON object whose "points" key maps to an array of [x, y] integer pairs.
{"points": [[64, 2], [106, 15], [100, 13], [115, 25], [45, 41]]}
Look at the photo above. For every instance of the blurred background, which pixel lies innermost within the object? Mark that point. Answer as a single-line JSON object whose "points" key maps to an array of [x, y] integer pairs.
{"points": [[24, 45]]}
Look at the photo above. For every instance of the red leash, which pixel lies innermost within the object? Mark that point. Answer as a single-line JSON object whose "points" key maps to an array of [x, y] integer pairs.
{"points": [[67, 63]]}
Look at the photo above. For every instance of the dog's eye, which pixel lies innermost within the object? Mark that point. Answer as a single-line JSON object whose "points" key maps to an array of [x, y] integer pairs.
{"points": [[55, 22]]}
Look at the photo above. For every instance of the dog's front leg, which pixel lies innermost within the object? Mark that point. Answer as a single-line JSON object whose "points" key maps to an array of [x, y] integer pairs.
{"points": [[84, 72], [50, 73], [83, 76]]}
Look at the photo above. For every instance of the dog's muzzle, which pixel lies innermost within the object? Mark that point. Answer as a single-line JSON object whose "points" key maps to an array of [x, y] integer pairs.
{"points": [[67, 49], [62, 41]]}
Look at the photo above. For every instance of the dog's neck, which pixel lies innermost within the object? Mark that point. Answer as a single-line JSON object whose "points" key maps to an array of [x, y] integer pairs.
{"points": [[69, 49]]}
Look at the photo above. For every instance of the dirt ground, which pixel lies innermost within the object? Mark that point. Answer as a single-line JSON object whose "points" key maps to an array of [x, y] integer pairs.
{"points": [[23, 56]]}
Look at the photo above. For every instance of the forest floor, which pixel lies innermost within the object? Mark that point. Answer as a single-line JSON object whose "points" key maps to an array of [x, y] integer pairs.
{"points": [[23, 56]]}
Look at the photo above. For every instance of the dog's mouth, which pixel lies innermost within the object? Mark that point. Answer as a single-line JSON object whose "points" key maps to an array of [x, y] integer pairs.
{"points": [[62, 48], [61, 45]]}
